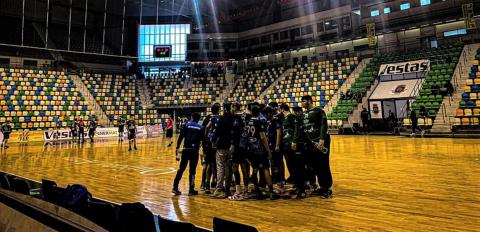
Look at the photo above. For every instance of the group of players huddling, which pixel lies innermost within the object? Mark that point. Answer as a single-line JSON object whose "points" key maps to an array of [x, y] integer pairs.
{"points": [[255, 141]]}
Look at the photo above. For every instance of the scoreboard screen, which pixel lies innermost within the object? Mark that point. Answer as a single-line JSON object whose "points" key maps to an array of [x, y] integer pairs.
{"points": [[163, 51], [162, 42]]}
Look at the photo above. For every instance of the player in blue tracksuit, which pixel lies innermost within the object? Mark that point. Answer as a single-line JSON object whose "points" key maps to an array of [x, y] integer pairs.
{"points": [[193, 134]]}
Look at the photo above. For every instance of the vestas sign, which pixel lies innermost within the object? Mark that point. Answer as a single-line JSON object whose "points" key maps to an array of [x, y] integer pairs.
{"points": [[404, 68]]}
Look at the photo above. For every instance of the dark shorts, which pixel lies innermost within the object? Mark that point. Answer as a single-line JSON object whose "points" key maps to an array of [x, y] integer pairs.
{"points": [[169, 133], [6, 135], [209, 152], [259, 161], [131, 135], [240, 156], [91, 132]]}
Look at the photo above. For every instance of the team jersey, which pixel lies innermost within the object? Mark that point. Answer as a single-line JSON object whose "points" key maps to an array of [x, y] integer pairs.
{"points": [[315, 124], [212, 132], [291, 130], [169, 124], [236, 130], [272, 127], [81, 125], [131, 126], [73, 127], [92, 125], [254, 128], [204, 124], [243, 142], [121, 126], [220, 130], [193, 134]]}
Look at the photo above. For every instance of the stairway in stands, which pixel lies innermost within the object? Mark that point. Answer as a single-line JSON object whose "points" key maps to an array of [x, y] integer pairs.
{"points": [[101, 116], [275, 83], [445, 116], [346, 85], [144, 93]]}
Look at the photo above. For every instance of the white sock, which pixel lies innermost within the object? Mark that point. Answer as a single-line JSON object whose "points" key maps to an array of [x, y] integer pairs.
{"points": [[238, 189]]}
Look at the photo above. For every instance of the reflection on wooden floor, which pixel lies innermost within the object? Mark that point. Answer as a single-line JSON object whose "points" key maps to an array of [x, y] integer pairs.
{"points": [[380, 183]]}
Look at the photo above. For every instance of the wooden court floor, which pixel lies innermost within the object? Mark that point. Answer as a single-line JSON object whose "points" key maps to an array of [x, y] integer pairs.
{"points": [[380, 184]]}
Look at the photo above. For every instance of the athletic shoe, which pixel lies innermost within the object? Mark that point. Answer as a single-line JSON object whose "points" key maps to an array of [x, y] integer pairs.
{"points": [[135, 148], [236, 197], [176, 192], [202, 187], [301, 195], [326, 194], [259, 195], [272, 196], [207, 191], [129, 149], [218, 194], [192, 192]]}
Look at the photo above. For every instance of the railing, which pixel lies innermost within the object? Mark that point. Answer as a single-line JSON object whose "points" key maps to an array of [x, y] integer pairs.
{"points": [[416, 89], [457, 76], [95, 106]]}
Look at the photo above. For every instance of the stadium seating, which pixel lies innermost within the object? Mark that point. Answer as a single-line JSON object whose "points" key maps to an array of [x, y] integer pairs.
{"points": [[468, 113], [40, 99], [253, 83], [443, 61], [319, 79], [171, 90], [440, 73], [118, 97]]}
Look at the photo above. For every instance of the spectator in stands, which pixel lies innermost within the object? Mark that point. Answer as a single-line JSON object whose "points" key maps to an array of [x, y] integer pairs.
{"points": [[6, 129], [349, 95], [357, 96], [365, 115], [342, 96], [449, 88], [423, 112]]}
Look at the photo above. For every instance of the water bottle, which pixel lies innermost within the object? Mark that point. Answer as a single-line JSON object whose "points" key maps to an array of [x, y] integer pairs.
{"points": [[324, 149]]}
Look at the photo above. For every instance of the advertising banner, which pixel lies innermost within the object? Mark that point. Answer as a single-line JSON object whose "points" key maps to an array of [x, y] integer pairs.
{"points": [[404, 68], [141, 132], [154, 131]]}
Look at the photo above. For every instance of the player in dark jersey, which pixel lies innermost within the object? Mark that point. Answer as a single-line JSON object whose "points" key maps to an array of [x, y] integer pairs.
{"points": [[274, 133], [92, 126], [293, 145], [6, 129], [279, 148], [132, 133], [121, 129], [81, 131], [74, 129], [193, 133], [238, 152], [220, 137], [317, 149], [260, 153], [208, 148]]}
